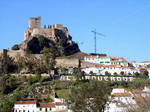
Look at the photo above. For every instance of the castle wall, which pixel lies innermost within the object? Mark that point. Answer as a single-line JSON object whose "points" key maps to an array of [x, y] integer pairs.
{"points": [[59, 62], [46, 32], [42, 31], [67, 63], [88, 64], [16, 53]]}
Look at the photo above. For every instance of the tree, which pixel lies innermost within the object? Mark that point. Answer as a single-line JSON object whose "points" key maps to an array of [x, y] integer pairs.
{"points": [[137, 74], [15, 47], [129, 74], [7, 65], [78, 74], [91, 73], [3, 86], [115, 74], [122, 73], [93, 101], [49, 56], [146, 74], [107, 73]]}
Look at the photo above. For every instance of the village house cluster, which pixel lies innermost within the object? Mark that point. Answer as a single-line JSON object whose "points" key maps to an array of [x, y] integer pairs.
{"points": [[34, 106], [107, 65], [122, 100]]}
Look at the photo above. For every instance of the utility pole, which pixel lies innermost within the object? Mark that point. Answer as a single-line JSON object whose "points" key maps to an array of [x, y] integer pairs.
{"points": [[95, 38]]}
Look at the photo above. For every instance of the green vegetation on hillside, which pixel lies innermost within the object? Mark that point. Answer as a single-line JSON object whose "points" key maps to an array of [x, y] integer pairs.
{"points": [[15, 47]]}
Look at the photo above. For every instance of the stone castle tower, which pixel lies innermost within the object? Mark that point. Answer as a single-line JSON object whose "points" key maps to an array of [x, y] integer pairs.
{"points": [[35, 22], [52, 32]]}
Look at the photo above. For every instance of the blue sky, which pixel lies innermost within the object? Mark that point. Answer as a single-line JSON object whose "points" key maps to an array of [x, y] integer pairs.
{"points": [[126, 23]]}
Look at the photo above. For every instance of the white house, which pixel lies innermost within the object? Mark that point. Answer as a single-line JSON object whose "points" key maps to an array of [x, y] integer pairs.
{"points": [[106, 60], [144, 63], [135, 64], [33, 106], [111, 69], [51, 107], [25, 106], [121, 100]]}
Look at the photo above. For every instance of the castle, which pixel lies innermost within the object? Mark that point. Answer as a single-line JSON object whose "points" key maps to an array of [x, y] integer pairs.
{"points": [[51, 32]]}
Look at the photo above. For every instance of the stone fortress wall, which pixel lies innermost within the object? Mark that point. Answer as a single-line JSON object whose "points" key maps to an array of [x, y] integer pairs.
{"points": [[67, 63], [59, 62]]}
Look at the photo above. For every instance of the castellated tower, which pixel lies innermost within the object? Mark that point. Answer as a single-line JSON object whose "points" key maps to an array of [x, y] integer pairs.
{"points": [[35, 22]]}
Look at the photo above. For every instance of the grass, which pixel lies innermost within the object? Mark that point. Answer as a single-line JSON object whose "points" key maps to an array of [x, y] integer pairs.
{"points": [[63, 93]]}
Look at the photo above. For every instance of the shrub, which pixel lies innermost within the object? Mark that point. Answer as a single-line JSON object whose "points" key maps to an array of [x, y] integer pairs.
{"points": [[15, 47]]}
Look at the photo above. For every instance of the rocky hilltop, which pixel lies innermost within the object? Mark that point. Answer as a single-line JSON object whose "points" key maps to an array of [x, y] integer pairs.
{"points": [[36, 38]]}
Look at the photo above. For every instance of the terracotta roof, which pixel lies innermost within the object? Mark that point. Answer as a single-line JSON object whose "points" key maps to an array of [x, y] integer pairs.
{"points": [[59, 103], [50, 104], [25, 102], [124, 67], [138, 99], [121, 95], [138, 91], [119, 59]]}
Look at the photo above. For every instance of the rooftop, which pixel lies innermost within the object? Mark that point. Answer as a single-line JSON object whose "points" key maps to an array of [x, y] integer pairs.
{"points": [[50, 104], [121, 95], [25, 102]]}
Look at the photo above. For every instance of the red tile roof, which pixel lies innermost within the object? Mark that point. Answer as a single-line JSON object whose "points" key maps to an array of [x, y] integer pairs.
{"points": [[121, 95], [124, 67], [59, 103], [139, 99], [25, 102], [138, 91], [50, 104]]}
